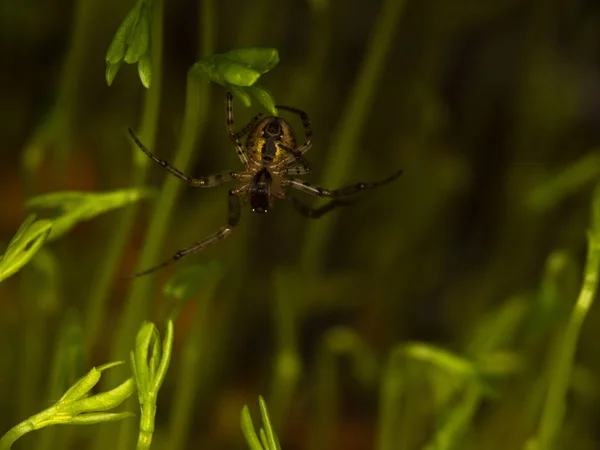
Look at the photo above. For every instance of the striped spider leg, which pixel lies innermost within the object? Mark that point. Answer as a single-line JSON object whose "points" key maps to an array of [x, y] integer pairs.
{"points": [[204, 181], [341, 197], [271, 159]]}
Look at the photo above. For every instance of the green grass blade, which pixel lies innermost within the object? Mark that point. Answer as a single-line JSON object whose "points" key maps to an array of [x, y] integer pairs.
{"points": [[248, 430]]}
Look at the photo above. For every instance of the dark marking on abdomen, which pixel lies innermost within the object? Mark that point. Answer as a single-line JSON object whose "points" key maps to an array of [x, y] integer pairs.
{"points": [[268, 151]]}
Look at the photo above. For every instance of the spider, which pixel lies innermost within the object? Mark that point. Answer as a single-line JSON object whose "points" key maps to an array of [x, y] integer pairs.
{"points": [[270, 157]]}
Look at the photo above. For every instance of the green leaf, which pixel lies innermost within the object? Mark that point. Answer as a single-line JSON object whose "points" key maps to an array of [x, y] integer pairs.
{"points": [[248, 430], [267, 435], [149, 373], [241, 94], [139, 40], [264, 97], [27, 241], [143, 341], [131, 43], [450, 362], [260, 58], [111, 71], [75, 407], [118, 46], [238, 70], [75, 207], [232, 72], [93, 418], [241, 67], [272, 440], [105, 400], [263, 439], [145, 71], [165, 360], [81, 386]]}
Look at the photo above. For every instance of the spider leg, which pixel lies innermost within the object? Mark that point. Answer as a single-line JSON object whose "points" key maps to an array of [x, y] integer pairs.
{"points": [[244, 131], [296, 170], [315, 213], [221, 233], [206, 181], [337, 193], [232, 134], [307, 129], [297, 157]]}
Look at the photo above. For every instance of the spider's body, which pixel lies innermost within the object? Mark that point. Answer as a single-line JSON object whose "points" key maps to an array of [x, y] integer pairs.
{"points": [[267, 140], [266, 151], [270, 157]]}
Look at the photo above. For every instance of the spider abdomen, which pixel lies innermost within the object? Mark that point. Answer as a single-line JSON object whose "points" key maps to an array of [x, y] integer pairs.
{"points": [[270, 141]]}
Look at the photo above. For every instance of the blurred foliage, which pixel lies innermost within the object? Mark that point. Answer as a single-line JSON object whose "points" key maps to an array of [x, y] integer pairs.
{"points": [[437, 312], [28, 239]]}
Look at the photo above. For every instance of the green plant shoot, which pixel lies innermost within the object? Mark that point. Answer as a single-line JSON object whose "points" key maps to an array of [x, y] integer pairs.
{"points": [[74, 207], [150, 363], [238, 70], [131, 43], [268, 439], [76, 407], [555, 406], [24, 245]]}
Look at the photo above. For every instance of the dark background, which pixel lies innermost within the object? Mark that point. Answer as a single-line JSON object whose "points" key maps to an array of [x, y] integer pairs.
{"points": [[483, 104]]}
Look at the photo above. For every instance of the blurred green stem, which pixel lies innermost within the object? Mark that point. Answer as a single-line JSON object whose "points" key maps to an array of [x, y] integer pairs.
{"points": [[66, 368], [192, 370], [461, 418], [136, 307], [288, 365], [337, 342], [97, 303], [391, 388], [57, 128], [564, 357], [306, 79], [137, 304], [41, 292], [351, 125]]}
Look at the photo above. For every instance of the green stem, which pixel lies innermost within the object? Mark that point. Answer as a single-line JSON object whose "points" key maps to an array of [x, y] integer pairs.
{"points": [[65, 369], [391, 389], [56, 130], [337, 343], [459, 420], [562, 366], [351, 125], [15, 433], [306, 81], [193, 370], [97, 304], [146, 425], [137, 304], [32, 360], [288, 364], [35, 422], [136, 307]]}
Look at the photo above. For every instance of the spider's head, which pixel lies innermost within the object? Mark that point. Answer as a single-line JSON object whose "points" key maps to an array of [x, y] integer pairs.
{"points": [[260, 191], [273, 128]]}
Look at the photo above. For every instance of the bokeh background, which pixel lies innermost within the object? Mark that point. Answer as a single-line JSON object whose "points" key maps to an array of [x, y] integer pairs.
{"points": [[491, 108]]}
